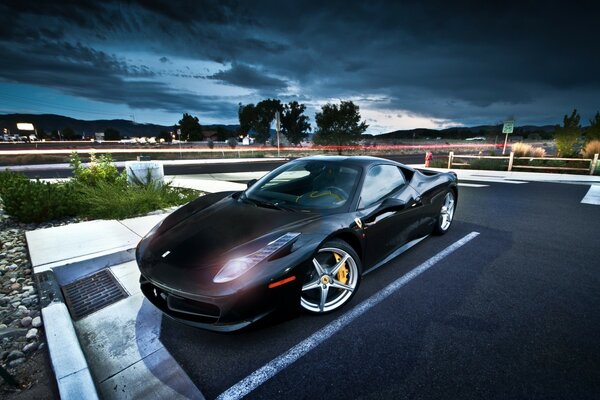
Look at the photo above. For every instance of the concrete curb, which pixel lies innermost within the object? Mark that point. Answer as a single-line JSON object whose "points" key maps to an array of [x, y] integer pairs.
{"points": [[70, 367], [87, 264]]}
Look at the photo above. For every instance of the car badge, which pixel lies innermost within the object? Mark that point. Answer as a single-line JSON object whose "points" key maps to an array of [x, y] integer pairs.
{"points": [[358, 222]]}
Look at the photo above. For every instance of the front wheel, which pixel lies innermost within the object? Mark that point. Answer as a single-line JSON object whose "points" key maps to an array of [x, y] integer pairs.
{"points": [[444, 219], [333, 278]]}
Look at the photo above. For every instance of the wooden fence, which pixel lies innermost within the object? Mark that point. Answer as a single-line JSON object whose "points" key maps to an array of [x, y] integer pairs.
{"points": [[511, 162]]}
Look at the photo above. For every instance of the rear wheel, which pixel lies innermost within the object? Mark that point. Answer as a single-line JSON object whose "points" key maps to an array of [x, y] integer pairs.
{"points": [[333, 278], [444, 219]]}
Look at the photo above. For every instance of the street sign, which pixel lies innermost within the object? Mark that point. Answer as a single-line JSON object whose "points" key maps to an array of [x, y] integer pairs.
{"points": [[508, 126]]}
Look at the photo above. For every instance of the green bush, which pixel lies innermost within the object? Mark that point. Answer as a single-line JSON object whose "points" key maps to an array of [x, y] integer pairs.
{"points": [[8, 179], [489, 164], [35, 201], [101, 169]]}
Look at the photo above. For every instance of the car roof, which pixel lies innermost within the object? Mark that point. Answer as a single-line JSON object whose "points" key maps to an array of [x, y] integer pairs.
{"points": [[362, 161]]}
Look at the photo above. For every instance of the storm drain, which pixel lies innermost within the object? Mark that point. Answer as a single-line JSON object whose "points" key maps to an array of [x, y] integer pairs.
{"points": [[92, 293]]}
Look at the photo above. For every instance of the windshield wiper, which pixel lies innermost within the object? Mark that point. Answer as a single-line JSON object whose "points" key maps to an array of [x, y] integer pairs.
{"points": [[267, 204]]}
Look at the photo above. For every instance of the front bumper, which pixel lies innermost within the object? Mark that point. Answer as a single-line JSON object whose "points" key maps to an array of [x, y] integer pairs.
{"points": [[222, 314]]}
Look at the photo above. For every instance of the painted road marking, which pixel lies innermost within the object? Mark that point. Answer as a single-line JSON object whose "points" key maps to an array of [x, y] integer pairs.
{"points": [[492, 180], [592, 196], [475, 185], [272, 368]]}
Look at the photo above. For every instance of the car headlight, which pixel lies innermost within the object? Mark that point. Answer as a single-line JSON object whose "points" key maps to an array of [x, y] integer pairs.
{"points": [[238, 266]]}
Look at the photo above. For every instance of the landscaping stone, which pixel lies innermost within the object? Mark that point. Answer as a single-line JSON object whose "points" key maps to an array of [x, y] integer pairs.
{"points": [[13, 355], [36, 322], [31, 334], [26, 322]]}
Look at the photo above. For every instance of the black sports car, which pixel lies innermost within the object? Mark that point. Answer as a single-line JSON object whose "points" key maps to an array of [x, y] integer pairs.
{"points": [[304, 234]]}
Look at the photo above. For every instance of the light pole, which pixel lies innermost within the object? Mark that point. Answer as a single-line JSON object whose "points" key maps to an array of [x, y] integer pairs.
{"points": [[278, 126]]}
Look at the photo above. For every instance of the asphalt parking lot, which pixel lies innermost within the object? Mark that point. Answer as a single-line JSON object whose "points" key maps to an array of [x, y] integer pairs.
{"points": [[511, 314]]}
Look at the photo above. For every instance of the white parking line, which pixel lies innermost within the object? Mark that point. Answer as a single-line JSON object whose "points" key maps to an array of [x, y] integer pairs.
{"points": [[475, 185], [272, 368], [481, 178], [592, 196]]}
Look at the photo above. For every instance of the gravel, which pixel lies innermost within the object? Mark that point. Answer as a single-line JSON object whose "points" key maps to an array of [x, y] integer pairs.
{"points": [[21, 327]]}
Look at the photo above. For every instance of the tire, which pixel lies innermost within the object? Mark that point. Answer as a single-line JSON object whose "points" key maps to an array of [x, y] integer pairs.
{"points": [[446, 215], [331, 283]]}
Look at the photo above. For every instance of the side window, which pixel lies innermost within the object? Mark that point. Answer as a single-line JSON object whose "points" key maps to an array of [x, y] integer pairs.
{"points": [[380, 181]]}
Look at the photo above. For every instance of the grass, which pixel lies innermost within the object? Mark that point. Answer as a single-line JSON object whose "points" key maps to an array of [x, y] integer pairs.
{"points": [[109, 201]]}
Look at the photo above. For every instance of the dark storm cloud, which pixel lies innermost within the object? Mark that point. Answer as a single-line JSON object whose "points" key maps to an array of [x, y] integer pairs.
{"points": [[465, 61], [248, 77]]}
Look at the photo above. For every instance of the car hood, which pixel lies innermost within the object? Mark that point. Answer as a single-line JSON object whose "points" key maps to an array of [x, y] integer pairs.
{"points": [[207, 238]]}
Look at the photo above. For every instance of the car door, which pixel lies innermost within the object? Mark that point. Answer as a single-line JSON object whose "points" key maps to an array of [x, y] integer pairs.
{"points": [[389, 230]]}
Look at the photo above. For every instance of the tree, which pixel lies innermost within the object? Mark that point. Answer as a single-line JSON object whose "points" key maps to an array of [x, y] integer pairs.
{"points": [[111, 134], [166, 136], [259, 118], [339, 126], [222, 133], [294, 125], [68, 134], [247, 117], [593, 132], [566, 135], [190, 128]]}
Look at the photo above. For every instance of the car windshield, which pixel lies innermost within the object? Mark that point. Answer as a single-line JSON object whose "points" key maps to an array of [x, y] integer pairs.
{"points": [[306, 185]]}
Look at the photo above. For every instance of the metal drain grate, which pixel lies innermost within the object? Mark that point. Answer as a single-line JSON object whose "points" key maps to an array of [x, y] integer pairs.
{"points": [[92, 293]]}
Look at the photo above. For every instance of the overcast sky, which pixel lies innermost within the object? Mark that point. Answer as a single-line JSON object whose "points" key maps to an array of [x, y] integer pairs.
{"points": [[406, 64]]}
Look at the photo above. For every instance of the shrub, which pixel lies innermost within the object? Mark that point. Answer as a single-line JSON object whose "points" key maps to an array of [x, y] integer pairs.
{"points": [[526, 150], [35, 201], [521, 149], [538, 152], [100, 169], [9, 179], [210, 144], [489, 164], [591, 148], [232, 142]]}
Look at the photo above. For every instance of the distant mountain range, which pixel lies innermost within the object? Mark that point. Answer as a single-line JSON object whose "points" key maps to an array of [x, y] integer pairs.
{"points": [[465, 132], [50, 122]]}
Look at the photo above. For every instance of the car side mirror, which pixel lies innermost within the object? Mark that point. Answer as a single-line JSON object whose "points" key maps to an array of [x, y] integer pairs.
{"points": [[251, 182], [388, 205]]}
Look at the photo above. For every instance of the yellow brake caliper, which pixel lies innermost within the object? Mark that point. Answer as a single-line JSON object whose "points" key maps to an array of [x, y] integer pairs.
{"points": [[342, 274]]}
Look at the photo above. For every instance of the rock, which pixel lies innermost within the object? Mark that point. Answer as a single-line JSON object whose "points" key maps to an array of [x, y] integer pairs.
{"points": [[12, 280], [41, 346], [31, 334], [30, 347], [15, 286], [12, 267], [16, 362], [36, 322], [6, 332], [2, 326], [3, 355], [26, 321], [13, 355]]}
